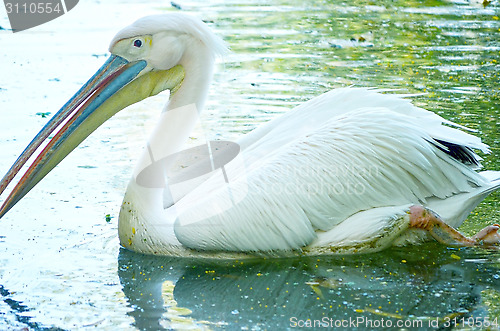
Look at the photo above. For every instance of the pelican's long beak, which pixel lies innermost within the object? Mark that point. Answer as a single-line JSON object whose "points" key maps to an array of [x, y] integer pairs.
{"points": [[116, 85]]}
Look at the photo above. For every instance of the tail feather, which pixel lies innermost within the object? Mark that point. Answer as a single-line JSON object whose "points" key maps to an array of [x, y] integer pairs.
{"points": [[492, 176], [454, 210]]}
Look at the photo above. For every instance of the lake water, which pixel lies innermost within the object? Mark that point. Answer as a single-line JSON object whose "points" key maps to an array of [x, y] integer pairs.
{"points": [[60, 262]]}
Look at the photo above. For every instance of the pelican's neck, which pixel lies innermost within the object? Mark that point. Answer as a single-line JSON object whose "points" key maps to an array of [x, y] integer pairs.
{"points": [[198, 64], [185, 106], [143, 207]]}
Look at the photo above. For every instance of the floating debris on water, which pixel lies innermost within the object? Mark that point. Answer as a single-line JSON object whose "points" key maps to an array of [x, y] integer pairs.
{"points": [[43, 114], [176, 5]]}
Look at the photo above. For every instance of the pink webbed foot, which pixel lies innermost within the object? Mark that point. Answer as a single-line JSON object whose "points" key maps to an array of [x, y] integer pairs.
{"points": [[488, 236], [425, 219]]}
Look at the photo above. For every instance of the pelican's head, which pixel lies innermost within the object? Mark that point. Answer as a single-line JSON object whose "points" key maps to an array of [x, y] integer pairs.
{"points": [[147, 57]]}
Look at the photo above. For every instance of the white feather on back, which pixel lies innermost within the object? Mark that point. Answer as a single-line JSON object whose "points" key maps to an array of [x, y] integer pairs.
{"points": [[343, 152]]}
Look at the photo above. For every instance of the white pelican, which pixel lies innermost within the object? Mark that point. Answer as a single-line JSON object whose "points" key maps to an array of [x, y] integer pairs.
{"points": [[352, 170]]}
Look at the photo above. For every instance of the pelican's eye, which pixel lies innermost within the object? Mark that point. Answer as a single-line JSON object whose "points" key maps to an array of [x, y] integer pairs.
{"points": [[138, 43]]}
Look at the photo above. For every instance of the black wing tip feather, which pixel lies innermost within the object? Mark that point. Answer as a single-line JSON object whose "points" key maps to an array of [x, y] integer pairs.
{"points": [[460, 153]]}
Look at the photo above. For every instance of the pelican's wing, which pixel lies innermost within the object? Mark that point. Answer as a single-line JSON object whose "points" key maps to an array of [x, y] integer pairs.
{"points": [[341, 153]]}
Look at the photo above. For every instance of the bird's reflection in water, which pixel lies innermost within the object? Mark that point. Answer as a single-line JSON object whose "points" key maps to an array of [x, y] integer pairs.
{"points": [[428, 284]]}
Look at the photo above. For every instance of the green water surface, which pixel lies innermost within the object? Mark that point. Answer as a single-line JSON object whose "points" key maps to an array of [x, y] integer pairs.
{"points": [[61, 266]]}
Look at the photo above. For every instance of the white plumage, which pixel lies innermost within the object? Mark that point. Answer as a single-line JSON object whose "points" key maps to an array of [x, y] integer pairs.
{"points": [[339, 173], [333, 161]]}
